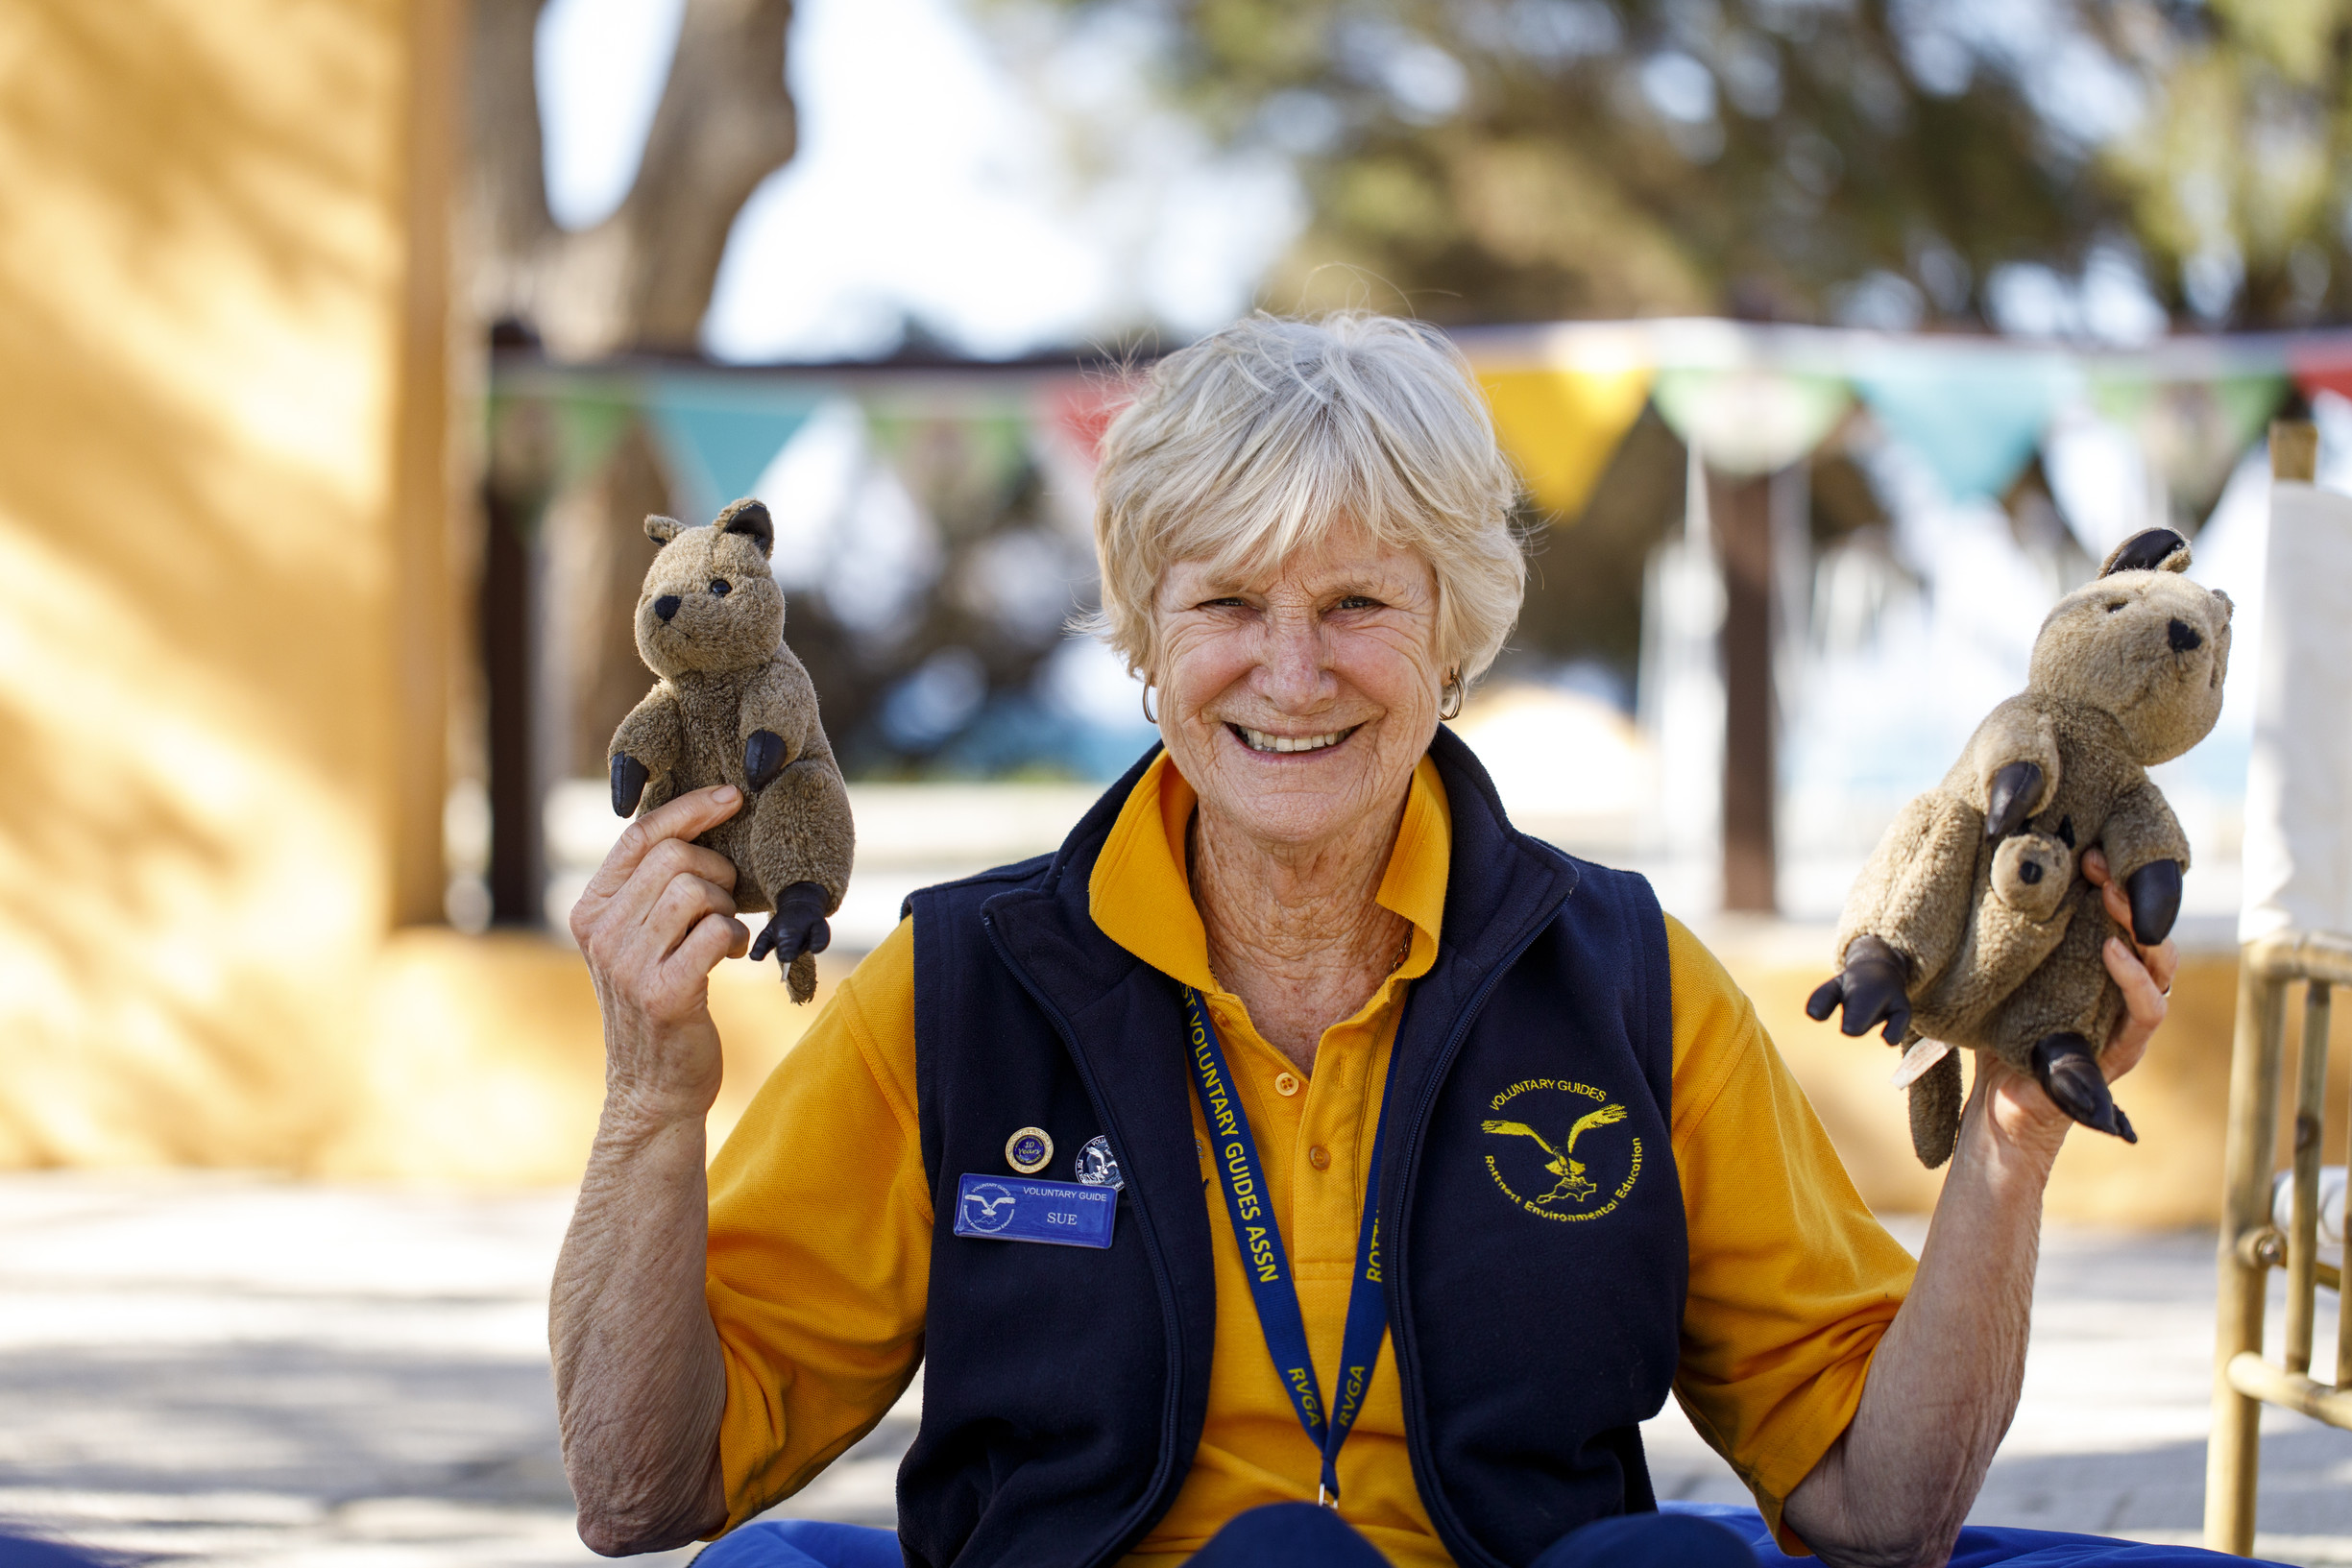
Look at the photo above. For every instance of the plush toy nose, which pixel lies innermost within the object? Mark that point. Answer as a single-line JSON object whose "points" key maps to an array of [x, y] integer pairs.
{"points": [[2183, 637], [667, 604]]}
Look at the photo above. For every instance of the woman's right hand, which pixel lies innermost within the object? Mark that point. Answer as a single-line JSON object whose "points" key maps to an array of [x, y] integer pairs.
{"points": [[641, 1383], [655, 920]]}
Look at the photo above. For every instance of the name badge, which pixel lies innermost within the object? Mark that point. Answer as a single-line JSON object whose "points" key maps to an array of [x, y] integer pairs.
{"points": [[1019, 1209]]}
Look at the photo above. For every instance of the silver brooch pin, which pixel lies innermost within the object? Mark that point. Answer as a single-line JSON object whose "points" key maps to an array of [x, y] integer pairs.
{"points": [[1096, 1167]]}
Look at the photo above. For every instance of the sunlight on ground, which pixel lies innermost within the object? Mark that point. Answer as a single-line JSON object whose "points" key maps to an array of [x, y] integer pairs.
{"points": [[236, 1370]]}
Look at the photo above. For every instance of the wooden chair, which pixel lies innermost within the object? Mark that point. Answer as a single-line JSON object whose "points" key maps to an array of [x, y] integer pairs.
{"points": [[2252, 1243]]}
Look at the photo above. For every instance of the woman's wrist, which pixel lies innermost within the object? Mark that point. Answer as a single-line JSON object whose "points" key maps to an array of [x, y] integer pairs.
{"points": [[657, 1072], [2012, 1133], [636, 1115], [639, 1105]]}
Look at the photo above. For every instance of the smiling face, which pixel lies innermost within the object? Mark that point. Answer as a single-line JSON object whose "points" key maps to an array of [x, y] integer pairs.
{"points": [[1296, 704]]}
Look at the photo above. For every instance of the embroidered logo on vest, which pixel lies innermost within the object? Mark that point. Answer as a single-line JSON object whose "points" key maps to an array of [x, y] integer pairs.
{"points": [[1548, 1179]]}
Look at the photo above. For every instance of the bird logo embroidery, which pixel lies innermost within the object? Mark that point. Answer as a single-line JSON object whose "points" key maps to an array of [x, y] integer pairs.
{"points": [[988, 1207], [1563, 1164]]}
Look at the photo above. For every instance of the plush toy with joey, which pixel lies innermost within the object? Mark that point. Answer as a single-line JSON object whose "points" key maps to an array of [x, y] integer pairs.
{"points": [[732, 706], [1972, 925]]}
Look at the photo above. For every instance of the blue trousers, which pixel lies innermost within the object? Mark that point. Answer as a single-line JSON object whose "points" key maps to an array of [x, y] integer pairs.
{"points": [[1302, 1535], [22, 1552]]}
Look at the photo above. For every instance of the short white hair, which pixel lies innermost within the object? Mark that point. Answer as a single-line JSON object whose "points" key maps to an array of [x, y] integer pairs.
{"points": [[1253, 443]]}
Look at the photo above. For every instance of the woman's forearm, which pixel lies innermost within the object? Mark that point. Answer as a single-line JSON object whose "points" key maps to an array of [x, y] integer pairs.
{"points": [[639, 1384], [1896, 1486], [1944, 1384]]}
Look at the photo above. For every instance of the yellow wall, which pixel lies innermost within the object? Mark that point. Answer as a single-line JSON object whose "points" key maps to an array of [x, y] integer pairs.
{"points": [[488, 1061], [224, 599], [490, 1070], [2175, 1099]]}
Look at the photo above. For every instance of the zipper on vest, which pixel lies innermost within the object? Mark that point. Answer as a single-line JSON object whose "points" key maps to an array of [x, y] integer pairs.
{"points": [[1159, 1263], [1415, 1436]]}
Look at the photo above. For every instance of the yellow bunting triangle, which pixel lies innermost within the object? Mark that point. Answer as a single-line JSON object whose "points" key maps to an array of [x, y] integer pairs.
{"points": [[1562, 426]]}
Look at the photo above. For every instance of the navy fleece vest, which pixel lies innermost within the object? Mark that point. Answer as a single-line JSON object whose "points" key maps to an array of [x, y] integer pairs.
{"points": [[1539, 1262]]}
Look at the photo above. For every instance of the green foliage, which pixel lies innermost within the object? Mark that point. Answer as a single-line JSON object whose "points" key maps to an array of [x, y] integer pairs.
{"points": [[1494, 160], [2239, 169]]}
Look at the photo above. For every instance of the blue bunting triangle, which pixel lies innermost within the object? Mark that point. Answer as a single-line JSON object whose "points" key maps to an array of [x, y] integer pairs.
{"points": [[1975, 416], [720, 438]]}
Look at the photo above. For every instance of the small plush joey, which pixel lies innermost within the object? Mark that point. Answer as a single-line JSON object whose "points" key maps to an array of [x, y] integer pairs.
{"points": [[732, 706], [1973, 925]]}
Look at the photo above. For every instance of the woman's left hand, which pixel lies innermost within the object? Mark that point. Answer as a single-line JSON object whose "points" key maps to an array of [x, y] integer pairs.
{"points": [[2019, 1107], [1943, 1383]]}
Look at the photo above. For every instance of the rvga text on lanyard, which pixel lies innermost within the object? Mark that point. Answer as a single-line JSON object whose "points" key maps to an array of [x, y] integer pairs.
{"points": [[1271, 1286]]}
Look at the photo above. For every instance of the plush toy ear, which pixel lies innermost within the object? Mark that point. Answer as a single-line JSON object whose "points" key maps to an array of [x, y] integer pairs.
{"points": [[662, 530], [2152, 549], [750, 519]]}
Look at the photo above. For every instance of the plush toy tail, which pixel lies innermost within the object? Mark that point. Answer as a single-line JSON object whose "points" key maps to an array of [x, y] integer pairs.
{"points": [[1935, 1111], [800, 981]]}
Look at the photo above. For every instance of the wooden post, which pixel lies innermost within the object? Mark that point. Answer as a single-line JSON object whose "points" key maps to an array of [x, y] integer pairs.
{"points": [[425, 636], [2294, 449], [1742, 511], [2303, 1230], [2233, 1455], [510, 670]]}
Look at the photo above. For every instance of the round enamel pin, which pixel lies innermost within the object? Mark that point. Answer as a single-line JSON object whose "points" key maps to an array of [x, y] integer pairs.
{"points": [[1029, 1150]]}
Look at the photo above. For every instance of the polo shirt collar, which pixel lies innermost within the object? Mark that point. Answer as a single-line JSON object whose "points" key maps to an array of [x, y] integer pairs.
{"points": [[1139, 898]]}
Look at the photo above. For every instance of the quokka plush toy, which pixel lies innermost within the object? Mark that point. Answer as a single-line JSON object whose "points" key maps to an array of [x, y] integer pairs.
{"points": [[732, 706], [1972, 925]]}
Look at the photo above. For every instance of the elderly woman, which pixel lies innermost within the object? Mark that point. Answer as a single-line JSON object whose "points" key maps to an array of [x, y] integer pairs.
{"points": [[1398, 1161]]}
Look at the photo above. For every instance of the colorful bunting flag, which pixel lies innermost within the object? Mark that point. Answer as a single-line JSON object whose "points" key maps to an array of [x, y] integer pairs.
{"points": [[2322, 365], [958, 462], [1080, 408], [2193, 432], [1562, 425], [1750, 398], [720, 435], [586, 427], [1744, 420], [1976, 417]]}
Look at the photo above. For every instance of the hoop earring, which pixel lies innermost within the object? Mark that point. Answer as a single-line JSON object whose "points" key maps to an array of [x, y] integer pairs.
{"points": [[1450, 697], [1149, 716]]}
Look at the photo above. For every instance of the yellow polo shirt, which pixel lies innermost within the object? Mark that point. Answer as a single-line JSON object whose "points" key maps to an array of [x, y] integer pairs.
{"points": [[821, 1220]]}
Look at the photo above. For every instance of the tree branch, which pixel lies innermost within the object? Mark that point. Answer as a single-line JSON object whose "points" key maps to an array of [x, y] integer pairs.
{"points": [[643, 277], [510, 223]]}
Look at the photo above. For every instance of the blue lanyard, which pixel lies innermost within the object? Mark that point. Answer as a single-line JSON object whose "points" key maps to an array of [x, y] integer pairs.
{"points": [[1248, 1202]]}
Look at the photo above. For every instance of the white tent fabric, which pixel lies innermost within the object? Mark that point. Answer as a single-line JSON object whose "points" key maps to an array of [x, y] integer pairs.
{"points": [[2298, 804]]}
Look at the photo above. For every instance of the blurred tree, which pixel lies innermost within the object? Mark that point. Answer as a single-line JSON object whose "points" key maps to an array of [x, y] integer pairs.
{"points": [[561, 568], [641, 279], [1876, 161], [2239, 175], [1499, 160]]}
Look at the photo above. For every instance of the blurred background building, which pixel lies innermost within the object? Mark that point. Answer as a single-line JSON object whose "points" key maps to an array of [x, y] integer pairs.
{"points": [[349, 343]]}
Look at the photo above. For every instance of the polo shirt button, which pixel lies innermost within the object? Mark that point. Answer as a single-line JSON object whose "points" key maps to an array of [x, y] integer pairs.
{"points": [[1320, 1157], [1286, 1085]]}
